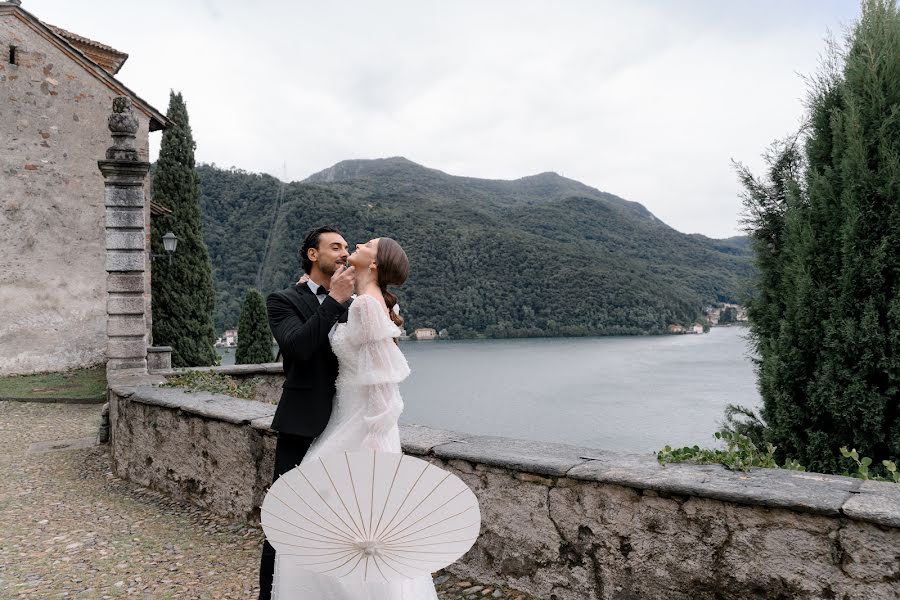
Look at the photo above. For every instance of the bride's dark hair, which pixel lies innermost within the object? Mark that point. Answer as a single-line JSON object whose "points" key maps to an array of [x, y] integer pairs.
{"points": [[393, 269]]}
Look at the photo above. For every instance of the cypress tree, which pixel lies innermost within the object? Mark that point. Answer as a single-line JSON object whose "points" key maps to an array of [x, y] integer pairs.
{"points": [[770, 205], [856, 383], [254, 337], [826, 316], [183, 293]]}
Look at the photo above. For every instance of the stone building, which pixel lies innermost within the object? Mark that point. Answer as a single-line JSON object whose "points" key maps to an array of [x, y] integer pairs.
{"points": [[56, 89], [425, 333]]}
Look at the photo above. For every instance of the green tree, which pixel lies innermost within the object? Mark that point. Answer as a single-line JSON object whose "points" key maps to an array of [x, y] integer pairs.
{"points": [[640, 274], [254, 337], [825, 315], [183, 293]]}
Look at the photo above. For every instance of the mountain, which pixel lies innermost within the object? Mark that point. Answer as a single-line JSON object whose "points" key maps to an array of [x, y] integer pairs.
{"points": [[738, 245], [540, 255]]}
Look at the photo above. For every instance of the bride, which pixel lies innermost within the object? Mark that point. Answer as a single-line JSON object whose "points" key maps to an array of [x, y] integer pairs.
{"points": [[367, 406]]}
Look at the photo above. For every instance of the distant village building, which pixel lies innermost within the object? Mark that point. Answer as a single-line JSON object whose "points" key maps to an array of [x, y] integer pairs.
{"points": [[714, 314], [229, 339], [697, 328], [424, 333], [57, 90], [676, 328]]}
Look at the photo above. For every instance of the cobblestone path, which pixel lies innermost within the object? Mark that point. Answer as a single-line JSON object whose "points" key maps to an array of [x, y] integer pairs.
{"points": [[70, 529]]}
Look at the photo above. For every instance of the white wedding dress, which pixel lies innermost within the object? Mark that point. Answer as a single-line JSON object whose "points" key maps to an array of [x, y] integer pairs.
{"points": [[365, 413]]}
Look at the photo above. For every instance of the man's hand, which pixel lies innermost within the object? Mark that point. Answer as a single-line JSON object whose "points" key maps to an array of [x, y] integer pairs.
{"points": [[342, 283]]}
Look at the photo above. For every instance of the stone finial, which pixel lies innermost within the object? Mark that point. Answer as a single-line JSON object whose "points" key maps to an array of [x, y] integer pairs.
{"points": [[123, 126]]}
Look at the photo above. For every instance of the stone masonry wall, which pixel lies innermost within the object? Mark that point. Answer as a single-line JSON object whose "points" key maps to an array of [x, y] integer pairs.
{"points": [[53, 129], [559, 521], [269, 378]]}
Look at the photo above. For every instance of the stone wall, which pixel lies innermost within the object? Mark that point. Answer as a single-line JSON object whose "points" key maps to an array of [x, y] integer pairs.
{"points": [[560, 521], [269, 377], [53, 127]]}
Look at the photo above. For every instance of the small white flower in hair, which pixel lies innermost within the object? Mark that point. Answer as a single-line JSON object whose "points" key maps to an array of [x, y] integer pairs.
{"points": [[396, 309]]}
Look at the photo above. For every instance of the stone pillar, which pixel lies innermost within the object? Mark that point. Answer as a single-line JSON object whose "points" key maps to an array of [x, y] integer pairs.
{"points": [[124, 172], [159, 358]]}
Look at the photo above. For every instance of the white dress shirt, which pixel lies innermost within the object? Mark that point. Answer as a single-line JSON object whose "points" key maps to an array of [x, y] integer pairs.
{"points": [[313, 287]]}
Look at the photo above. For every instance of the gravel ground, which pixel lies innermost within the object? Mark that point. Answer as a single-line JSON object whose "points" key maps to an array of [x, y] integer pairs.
{"points": [[70, 529]]}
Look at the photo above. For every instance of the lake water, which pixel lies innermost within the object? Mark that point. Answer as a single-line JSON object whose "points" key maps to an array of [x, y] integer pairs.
{"points": [[632, 394]]}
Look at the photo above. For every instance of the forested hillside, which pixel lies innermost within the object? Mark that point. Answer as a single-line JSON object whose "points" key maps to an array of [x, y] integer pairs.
{"points": [[541, 255]]}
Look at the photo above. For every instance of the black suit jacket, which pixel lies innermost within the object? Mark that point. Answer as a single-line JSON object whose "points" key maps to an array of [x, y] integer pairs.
{"points": [[300, 326]]}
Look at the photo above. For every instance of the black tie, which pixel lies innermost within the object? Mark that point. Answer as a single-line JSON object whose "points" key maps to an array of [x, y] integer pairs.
{"points": [[322, 291]]}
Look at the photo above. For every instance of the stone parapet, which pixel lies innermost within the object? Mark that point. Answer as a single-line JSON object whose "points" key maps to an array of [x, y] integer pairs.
{"points": [[233, 370], [876, 502], [269, 376], [159, 358], [559, 521]]}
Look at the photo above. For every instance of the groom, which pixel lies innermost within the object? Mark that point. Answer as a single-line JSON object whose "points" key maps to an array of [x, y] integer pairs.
{"points": [[301, 318]]}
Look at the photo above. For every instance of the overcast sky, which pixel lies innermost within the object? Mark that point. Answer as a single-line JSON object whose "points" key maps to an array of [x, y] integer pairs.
{"points": [[646, 100]]}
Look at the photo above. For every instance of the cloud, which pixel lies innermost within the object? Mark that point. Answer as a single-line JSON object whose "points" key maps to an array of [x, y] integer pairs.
{"points": [[646, 100]]}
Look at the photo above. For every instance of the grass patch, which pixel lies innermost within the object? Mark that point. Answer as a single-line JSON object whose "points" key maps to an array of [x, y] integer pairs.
{"points": [[78, 383]]}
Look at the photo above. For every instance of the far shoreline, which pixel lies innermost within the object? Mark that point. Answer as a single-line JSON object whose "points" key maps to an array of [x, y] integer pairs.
{"points": [[229, 351]]}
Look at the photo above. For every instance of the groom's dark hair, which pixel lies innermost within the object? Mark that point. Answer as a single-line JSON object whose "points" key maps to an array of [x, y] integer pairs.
{"points": [[312, 241]]}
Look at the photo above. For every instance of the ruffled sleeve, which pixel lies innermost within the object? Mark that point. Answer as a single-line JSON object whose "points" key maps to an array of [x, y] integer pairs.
{"points": [[372, 333], [380, 367]]}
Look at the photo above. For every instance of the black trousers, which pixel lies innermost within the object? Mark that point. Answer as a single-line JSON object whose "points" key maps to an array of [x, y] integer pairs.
{"points": [[289, 451]]}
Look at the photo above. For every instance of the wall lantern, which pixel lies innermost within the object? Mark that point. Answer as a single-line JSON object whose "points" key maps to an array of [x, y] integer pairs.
{"points": [[170, 242]]}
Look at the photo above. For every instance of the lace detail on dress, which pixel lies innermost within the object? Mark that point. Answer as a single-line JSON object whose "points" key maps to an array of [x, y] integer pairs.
{"points": [[371, 362], [370, 332]]}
